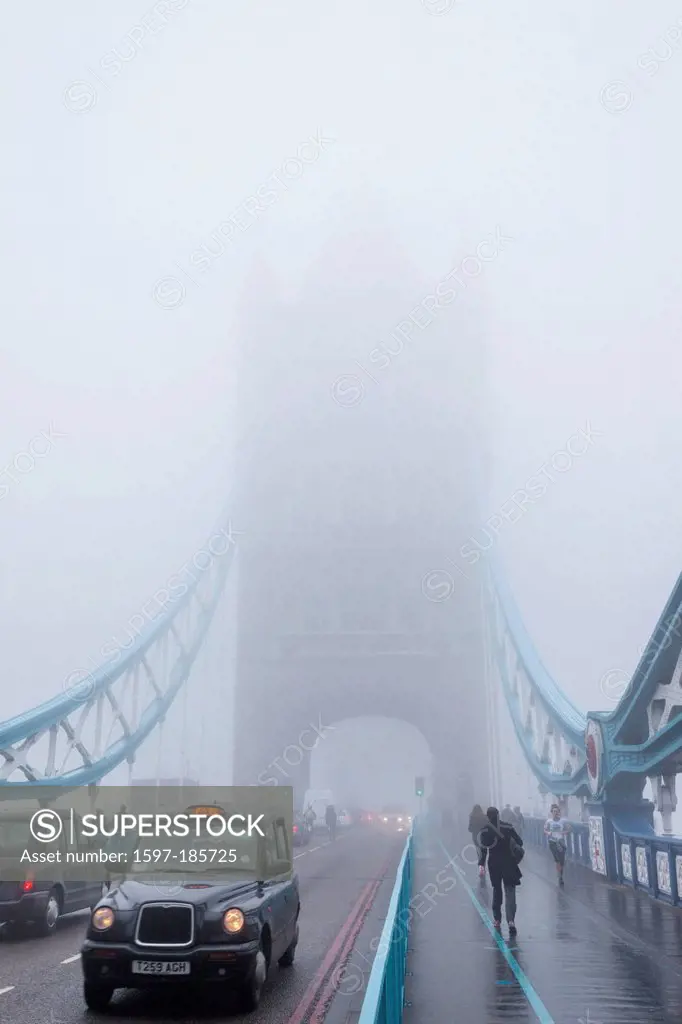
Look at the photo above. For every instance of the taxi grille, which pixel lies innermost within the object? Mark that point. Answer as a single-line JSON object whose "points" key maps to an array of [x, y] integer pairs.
{"points": [[160, 924]]}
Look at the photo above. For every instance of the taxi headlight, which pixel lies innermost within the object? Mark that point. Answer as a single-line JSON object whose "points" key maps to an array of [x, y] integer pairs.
{"points": [[102, 919], [233, 921]]}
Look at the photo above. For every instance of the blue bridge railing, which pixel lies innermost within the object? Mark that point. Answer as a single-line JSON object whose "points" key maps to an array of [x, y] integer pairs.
{"points": [[385, 995], [651, 863], [648, 862]]}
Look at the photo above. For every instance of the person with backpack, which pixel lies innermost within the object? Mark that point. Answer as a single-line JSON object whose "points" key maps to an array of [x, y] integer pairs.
{"points": [[502, 847], [477, 822]]}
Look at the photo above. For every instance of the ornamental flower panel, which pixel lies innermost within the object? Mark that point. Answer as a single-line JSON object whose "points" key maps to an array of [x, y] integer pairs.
{"points": [[663, 872], [626, 860], [678, 872], [641, 865], [597, 845]]}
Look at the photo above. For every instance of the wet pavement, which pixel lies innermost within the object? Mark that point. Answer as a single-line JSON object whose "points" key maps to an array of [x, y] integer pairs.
{"points": [[41, 979], [587, 953]]}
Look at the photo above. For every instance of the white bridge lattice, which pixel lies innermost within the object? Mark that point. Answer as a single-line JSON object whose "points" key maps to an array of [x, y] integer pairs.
{"points": [[102, 718], [549, 728]]}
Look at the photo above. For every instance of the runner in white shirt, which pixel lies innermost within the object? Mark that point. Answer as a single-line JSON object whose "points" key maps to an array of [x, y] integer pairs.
{"points": [[556, 830]]}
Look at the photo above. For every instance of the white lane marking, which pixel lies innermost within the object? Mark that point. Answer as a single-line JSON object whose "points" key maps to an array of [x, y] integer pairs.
{"points": [[304, 852], [72, 959], [320, 847], [7, 989]]}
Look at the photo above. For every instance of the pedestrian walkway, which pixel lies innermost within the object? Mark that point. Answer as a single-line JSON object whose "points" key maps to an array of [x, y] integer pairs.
{"points": [[587, 953]]}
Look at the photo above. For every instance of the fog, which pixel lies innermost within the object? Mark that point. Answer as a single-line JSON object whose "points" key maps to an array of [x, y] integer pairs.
{"points": [[387, 147]]}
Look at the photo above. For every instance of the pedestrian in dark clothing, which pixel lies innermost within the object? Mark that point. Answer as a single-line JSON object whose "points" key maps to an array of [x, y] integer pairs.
{"points": [[330, 818], [498, 841], [477, 822]]}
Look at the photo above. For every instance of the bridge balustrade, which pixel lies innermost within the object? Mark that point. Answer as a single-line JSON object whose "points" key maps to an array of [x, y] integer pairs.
{"points": [[651, 863]]}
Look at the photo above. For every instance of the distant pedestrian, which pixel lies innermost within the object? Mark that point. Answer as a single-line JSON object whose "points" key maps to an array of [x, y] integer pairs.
{"points": [[330, 818], [520, 823], [507, 815], [477, 822], [502, 846], [556, 829]]}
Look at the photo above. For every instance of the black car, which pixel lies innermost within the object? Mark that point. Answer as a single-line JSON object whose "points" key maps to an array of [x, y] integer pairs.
{"points": [[39, 903], [302, 831], [220, 931]]}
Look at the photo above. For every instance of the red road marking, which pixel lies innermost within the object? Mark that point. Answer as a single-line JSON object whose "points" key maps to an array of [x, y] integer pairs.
{"points": [[321, 1010], [332, 953], [338, 950]]}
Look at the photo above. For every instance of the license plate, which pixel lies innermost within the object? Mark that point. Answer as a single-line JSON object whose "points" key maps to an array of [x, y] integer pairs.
{"points": [[161, 966]]}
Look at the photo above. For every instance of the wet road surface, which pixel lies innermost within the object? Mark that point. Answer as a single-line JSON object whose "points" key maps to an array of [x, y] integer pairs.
{"points": [[588, 953], [41, 980]]}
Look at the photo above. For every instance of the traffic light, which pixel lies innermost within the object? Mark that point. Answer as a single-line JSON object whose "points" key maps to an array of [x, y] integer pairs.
{"points": [[419, 785]]}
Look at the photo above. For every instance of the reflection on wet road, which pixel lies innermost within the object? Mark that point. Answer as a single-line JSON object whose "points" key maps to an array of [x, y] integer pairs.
{"points": [[590, 952]]}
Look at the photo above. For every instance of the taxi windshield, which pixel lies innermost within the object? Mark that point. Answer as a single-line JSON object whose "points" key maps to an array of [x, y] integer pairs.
{"points": [[196, 854]]}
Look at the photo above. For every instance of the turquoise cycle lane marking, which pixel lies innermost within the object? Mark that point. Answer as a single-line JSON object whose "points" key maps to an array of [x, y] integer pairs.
{"points": [[541, 1011]]}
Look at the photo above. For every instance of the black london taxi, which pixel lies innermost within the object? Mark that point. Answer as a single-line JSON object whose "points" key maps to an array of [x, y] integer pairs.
{"points": [[194, 930]]}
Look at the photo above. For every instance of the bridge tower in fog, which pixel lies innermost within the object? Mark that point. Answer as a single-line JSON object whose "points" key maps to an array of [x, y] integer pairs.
{"points": [[361, 458]]}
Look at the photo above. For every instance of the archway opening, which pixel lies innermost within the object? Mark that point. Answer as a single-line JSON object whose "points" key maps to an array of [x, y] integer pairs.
{"points": [[371, 762]]}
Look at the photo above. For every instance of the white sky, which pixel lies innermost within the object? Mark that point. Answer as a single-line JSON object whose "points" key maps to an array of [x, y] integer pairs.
{"points": [[444, 127]]}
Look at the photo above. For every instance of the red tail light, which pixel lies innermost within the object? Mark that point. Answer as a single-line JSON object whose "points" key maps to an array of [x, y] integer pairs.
{"points": [[295, 828], [27, 886]]}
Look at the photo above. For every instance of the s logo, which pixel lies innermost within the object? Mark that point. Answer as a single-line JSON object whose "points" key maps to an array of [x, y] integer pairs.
{"points": [[46, 826]]}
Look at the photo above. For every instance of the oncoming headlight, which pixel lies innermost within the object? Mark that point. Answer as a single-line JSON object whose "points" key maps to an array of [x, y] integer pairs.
{"points": [[233, 921], [102, 919]]}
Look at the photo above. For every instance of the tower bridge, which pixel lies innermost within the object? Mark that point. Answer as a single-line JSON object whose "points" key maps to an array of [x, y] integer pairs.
{"points": [[346, 511]]}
